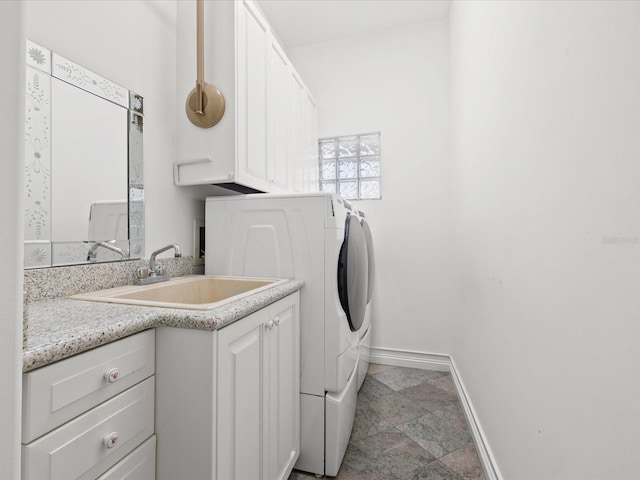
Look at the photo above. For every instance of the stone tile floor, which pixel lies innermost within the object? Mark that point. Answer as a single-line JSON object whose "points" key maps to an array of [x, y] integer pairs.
{"points": [[409, 426]]}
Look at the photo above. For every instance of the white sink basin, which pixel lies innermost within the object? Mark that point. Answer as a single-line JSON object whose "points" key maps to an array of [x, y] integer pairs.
{"points": [[195, 292]]}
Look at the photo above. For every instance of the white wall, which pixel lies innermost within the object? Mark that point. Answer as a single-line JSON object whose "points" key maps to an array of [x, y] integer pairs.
{"points": [[132, 43], [397, 82], [11, 163], [546, 144]]}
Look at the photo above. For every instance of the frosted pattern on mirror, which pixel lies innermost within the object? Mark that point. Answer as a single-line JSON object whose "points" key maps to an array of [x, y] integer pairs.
{"points": [[83, 160]]}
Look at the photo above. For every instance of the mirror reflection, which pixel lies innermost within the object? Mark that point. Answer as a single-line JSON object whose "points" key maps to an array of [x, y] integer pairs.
{"points": [[83, 165]]}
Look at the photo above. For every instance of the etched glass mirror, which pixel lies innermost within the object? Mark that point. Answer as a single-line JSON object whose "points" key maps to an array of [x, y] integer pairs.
{"points": [[84, 189]]}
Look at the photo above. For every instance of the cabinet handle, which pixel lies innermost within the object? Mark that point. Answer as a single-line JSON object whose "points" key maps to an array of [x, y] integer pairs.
{"points": [[111, 440], [271, 324], [112, 375], [276, 321]]}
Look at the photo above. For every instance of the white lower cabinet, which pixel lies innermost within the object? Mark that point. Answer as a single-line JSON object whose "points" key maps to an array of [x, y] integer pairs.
{"points": [[112, 417], [282, 447], [138, 465], [241, 395], [226, 405], [228, 401], [59, 392]]}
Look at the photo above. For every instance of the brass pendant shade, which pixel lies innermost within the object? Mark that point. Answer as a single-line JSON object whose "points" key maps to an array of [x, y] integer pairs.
{"points": [[205, 103]]}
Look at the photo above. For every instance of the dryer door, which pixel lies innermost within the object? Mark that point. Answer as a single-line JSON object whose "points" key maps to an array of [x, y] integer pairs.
{"points": [[370, 257], [352, 273]]}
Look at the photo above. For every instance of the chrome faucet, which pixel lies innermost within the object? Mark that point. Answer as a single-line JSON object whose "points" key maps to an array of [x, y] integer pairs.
{"points": [[154, 273], [152, 259], [93, 251]]}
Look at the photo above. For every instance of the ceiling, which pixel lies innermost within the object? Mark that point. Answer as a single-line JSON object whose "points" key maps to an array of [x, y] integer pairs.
{"points": [[302, 22]]}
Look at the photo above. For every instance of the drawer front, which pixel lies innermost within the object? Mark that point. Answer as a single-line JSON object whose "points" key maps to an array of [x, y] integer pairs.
{"points": [[55, 394], [81, 449], [138, 465]]}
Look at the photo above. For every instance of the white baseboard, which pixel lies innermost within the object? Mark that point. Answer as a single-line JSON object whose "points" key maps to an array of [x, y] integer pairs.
{"points": [[487, 459], [407, 358], [444, 363]]}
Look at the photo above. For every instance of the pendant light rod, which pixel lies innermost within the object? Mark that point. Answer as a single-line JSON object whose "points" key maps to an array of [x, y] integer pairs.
{"points": [[200, 55], [205, 104]]}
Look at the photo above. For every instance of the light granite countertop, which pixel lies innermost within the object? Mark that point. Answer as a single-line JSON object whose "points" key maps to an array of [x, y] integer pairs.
{"points": [[59, 328]]}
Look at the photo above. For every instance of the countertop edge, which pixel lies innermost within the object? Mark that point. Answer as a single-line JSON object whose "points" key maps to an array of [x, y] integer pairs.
{"points": [[84, 333]]}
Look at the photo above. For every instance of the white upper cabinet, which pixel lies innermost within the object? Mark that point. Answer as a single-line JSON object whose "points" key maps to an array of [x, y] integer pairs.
{"points": [[304, 138], [280, 119], [253, 47], [263, 142], [310, 145], [297, 176]]}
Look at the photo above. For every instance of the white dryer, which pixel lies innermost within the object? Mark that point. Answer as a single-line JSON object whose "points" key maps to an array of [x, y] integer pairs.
{"points": [[364, 342], [316, 238]]}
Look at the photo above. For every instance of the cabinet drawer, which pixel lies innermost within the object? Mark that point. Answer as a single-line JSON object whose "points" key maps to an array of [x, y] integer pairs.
{"points": [[55, 394], [138, 465], [80, 449]]}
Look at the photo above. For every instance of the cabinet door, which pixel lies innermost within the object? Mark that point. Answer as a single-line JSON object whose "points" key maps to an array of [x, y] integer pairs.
{"points": [[240, 405], [297, 166], [253, 43], [283, 347], [280, 112], [310, 145]]}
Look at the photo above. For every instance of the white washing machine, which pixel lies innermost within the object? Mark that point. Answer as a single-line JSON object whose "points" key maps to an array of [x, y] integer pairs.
{"points": [[316, 238], [364, 342]]}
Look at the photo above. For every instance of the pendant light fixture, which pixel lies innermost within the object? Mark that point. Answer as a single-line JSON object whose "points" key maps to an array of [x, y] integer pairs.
{"points": [[205, 103]]}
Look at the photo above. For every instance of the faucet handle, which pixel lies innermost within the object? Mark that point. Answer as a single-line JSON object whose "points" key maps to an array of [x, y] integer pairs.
{"points": [[160, 270], [143, 272]]}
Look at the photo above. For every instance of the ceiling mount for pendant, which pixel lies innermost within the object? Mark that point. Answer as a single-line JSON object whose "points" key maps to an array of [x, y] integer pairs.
{"points": [[205, 103]]}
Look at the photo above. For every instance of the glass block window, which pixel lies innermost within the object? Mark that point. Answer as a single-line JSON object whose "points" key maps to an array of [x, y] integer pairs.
{"points": [[350, 166]]}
